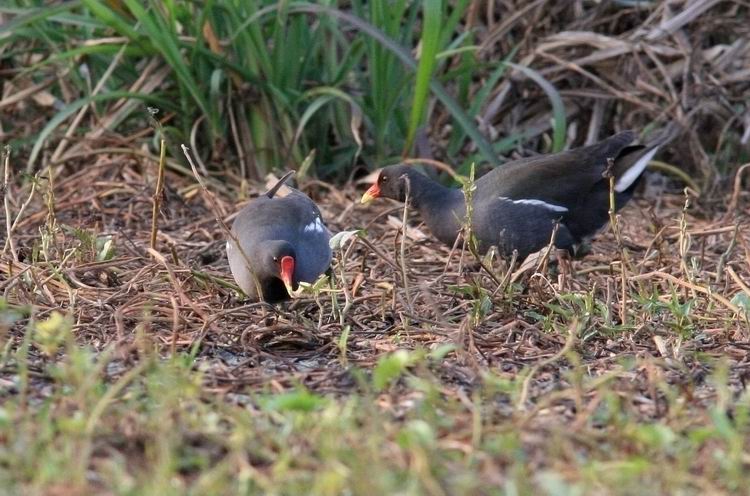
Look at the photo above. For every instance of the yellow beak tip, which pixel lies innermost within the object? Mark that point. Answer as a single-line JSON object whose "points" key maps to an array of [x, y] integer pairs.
{"points": [[367, 198]]}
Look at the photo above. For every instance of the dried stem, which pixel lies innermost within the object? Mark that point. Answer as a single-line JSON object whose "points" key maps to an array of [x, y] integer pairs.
{"points": [[6, 203], [572, 334], [217, 216], [158, 194], [700, 289], [402, 250], [610, 174], [19, 215]]}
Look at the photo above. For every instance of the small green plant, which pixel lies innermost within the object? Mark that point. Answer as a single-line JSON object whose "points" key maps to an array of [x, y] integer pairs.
{"points": [[52, 333], [390, 367]]}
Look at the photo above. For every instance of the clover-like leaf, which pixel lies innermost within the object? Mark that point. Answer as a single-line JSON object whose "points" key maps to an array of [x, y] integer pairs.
{"points": [[338, 240]]}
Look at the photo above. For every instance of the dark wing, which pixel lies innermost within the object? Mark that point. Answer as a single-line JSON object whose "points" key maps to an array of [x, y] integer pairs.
{"points": [[312, 236], [558, 179], [522, 225]]}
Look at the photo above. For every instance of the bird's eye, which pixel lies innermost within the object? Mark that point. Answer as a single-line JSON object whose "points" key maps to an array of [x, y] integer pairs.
{"points": [[275, 259], [384, 179]]}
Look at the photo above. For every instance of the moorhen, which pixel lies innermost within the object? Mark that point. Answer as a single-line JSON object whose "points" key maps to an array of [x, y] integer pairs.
{"points": [[516, 205], [283, 241]]}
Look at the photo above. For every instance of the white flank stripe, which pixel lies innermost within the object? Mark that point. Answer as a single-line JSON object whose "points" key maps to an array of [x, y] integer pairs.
{"points": [[627, 179], [538, 203], [315, 226]]}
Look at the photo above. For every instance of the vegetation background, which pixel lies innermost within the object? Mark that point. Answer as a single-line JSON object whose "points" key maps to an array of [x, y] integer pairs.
{"points": [[125, 372]]}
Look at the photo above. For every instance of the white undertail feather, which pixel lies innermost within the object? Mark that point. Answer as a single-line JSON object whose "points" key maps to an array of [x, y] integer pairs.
{"points": [[627, 179]]}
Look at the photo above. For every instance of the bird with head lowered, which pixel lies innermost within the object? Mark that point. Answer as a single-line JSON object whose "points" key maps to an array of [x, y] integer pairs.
{"points": [[277, 242]]}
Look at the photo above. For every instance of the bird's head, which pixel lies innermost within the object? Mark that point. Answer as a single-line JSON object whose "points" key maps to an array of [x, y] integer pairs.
{"points": [[391, 183], [279, 260]]}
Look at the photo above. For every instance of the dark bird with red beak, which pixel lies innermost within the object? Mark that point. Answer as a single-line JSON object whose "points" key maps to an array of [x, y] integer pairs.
{"points": [[516, 206], [282, 242]]}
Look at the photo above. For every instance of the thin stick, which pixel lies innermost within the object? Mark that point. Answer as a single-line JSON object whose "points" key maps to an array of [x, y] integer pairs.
{"points": [[175, 325], [73, 126], [508, 273], [19, 215], [156, 200], [695, 287], [459, 237], [347, 295], [194, 143], [6, 202], [379, 253], [541, 265], [403, 245], [184, 298], [739, 281], [435, 163], [609, 173], [684, 241], [572, 333], [219, 220], [735, 200]]}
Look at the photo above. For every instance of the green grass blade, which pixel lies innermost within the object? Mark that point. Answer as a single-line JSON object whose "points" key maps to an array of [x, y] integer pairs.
{"points": [[36, 15], [111, 18], [432, 10], [73, 107], [165, 40], [308, 113], [480, 98], [559, 123], [403, 55], [450, 24]]}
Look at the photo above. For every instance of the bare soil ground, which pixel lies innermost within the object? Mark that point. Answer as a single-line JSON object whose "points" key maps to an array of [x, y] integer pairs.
{"points": [[559, 340]]}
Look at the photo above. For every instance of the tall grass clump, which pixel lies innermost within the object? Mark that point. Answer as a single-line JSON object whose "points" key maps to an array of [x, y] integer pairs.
{"points": [[263, 85], [270, 82]]}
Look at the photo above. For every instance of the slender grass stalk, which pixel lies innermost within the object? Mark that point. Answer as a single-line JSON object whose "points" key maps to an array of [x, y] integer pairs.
{"points": [[402, 250], [158, 193], [615, 226], [5, 160], [573, 331], [70, 109]]}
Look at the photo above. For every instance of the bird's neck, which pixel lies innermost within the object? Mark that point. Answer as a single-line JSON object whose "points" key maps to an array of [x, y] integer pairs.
{"points": [[442, 208]]}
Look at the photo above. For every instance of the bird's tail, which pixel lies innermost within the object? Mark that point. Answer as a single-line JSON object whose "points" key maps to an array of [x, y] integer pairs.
{"points": [[275, 188], [633, 159]]}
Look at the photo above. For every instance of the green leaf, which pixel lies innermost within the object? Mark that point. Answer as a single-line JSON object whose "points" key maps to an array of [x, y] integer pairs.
{"points": [[439, 353], [402, 54], [339, 239], [111, 18], [164, 39], [308, 113]]}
